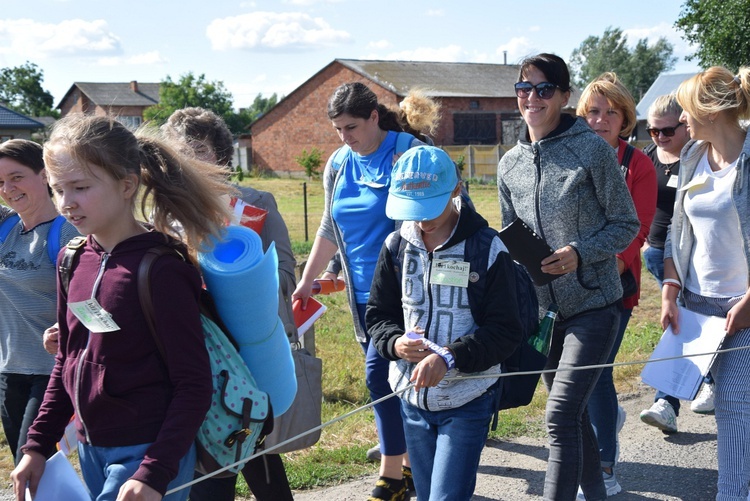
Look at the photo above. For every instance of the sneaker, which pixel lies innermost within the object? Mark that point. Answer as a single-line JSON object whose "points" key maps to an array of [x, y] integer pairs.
{"points": [[661, 415], [409, 480], [621, 415], [388, 489], [373, 453], [610, 483], [704, 402]]}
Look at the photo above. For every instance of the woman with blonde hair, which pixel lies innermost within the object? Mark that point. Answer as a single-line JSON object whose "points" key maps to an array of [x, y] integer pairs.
{"points": [[609, 109], [707, 251]]}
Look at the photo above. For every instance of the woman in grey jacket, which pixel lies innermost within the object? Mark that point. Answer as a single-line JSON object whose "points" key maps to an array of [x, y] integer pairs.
{"points": [[564, 182], [707, 251]]}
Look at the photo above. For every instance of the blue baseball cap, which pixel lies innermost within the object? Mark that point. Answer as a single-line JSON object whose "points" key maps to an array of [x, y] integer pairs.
{"points": [[421, 184]]}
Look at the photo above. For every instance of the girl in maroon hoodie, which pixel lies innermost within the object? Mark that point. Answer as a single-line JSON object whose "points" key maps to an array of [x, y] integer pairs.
{"points": [[136, 413]]}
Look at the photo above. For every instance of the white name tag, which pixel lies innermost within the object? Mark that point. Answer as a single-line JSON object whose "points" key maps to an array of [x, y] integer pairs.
{"points": [[93, 316], [672, 183], [695, 183], [449, 272]]}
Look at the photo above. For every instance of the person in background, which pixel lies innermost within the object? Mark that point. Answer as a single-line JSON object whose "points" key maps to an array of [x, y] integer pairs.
{"points": [[707, 251], [564, 182], [138, 407], [28, 285], [419, 115], [609, 109], [669, 135], [353, 228], [208, 137]]}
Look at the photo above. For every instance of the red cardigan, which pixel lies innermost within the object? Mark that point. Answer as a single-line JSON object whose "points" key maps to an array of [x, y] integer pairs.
{"points": [[641, 181]]}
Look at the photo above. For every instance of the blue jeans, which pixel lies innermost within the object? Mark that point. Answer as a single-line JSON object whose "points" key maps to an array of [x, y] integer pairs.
{"points": [[387, 413], [20, 398], [603, 402], [654, 259], [106, 469], [445, 447], [584, 339]]}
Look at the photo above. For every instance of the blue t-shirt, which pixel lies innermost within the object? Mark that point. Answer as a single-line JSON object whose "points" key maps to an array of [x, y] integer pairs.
{"points": [[359, 211]]}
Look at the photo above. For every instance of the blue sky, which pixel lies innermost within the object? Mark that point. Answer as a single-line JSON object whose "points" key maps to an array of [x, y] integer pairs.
{"points": [[274, 46]]}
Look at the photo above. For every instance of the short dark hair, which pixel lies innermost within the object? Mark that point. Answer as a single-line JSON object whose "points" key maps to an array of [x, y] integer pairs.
{"points": [[554, 68], [24, 152], [356, 99]]}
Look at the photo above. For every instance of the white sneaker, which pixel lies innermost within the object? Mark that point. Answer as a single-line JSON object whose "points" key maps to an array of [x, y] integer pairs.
{"points": [[610, 483], [661, 415], [704, 402], [621, 415]]}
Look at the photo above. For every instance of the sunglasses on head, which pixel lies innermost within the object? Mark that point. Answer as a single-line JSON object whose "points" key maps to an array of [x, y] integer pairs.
{"points": [[544, 90], [667, 131]]}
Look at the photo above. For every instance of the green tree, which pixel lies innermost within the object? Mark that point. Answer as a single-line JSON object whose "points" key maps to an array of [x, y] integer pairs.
{"points": [[637, 68], [246, 116], [311, 162], [720, 29], [21, 90], [190, 90]]}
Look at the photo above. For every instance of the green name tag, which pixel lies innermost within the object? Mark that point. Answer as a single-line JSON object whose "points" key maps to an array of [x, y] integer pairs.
{"points": [[449, 272]]}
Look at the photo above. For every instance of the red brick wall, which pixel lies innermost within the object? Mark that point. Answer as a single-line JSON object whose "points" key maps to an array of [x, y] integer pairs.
{"points": [[300, 122]]}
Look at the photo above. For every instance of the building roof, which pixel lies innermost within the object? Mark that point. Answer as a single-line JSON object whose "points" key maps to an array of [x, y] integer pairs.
{"points": [[117, 93], [10, 119], [664, 84]]}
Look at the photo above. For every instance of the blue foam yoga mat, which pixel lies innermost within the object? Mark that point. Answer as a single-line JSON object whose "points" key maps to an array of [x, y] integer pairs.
{"points": [[244, 283]]}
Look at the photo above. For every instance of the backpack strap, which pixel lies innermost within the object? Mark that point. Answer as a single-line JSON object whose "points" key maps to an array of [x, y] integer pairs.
{"points": [[7, 226], [403, 142], [144, 290], [339, 157], [72, 249], [53, 238], [626, 159]]}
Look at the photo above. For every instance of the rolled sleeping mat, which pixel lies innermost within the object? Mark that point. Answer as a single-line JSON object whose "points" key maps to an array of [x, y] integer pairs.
{"points": [[244, 283]]}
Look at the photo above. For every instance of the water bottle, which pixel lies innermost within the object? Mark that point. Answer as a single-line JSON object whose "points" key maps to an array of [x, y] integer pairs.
{"points": [[326, 286], [543, 335]]}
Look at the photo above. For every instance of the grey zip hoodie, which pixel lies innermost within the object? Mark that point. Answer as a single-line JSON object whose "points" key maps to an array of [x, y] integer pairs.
{"points": [[569, 189]]}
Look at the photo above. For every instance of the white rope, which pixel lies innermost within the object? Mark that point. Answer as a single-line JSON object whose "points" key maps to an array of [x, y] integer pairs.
{"points": [[455, 378]]}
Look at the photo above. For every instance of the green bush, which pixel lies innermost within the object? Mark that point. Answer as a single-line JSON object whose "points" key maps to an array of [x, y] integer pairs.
{"points": [[311, 162]]}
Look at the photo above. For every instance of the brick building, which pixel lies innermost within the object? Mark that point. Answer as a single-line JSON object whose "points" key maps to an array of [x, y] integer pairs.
{"points": [[478, 107], [126, 101], [14, 125]]}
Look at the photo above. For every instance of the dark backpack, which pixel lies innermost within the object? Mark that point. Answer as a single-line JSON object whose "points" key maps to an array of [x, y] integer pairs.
{"points": [[53, 236], [250, 419], [515, 391]]}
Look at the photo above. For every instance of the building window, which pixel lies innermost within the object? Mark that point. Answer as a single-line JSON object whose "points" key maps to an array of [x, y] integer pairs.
{"points": [[130, 122], [473, 105], [4, 138], [475, 128]]}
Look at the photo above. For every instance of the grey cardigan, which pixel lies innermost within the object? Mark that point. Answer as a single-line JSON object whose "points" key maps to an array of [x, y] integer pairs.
{"points": [[680, 237], [568, 187]]}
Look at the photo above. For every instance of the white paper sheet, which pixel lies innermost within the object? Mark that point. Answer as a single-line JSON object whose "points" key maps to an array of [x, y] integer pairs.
{"points": [[682, 377], [60, 482]]}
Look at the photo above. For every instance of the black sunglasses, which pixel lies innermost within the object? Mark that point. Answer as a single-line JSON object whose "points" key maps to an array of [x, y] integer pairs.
{"points": [[544, 90], [667, 131]]}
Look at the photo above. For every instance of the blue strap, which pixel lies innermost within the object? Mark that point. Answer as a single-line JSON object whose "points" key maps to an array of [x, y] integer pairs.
{"points": [[403, 142], [8, 225], [53, 236], [53, 239]]}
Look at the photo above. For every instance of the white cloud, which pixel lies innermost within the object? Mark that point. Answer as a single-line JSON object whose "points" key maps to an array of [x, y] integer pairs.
{"points": [[517, 48], [307, 3], [666, 30], [274, 31], [380, 44], [74, 37], [435, 13], [534, 29], [145, 59]]}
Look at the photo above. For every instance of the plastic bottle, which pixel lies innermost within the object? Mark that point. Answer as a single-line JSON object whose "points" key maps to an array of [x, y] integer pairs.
{"points": [[326, 286], [543, 335]]}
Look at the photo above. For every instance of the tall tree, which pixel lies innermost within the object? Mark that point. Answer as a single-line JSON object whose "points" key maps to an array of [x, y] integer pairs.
{"points": [[21, 90], [637, 68], [190, 90], [720, 29]]}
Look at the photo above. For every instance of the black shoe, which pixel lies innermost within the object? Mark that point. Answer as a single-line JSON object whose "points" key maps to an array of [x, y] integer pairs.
{"points": [[388, 489], [409, 480]]}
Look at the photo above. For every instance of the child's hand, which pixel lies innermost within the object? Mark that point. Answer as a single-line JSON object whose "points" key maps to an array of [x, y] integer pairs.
{"points": [[28, 472], [429, 372], [411, 350], [50, 339], [133, 490]]}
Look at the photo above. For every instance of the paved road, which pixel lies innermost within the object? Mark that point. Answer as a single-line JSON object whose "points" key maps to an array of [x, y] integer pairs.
{"points": [[653, 465]]}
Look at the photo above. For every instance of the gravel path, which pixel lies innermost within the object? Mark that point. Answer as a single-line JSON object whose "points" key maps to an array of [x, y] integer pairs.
{"points": [[652, 465]]}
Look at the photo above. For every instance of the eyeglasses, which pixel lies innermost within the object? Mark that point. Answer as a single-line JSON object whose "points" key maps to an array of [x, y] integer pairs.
{"points": [[667, 131], [544, 90]]}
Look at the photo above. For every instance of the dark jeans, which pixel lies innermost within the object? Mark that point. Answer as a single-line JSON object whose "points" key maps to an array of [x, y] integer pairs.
{"points": [[20, 398], [265, 475], [584, 339]]}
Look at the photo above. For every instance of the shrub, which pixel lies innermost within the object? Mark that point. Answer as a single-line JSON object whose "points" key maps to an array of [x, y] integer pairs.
{"points": [[310, 162]]}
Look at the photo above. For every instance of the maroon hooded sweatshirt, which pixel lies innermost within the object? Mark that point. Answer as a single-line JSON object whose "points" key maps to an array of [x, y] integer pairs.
{"points": [[122, 392]]}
